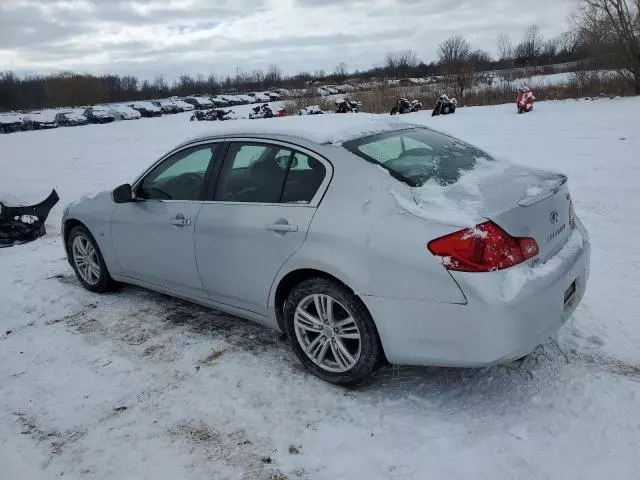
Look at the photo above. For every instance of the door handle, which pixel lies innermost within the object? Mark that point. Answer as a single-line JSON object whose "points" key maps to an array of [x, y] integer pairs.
{"points": [[180, 221], [281, 227]]}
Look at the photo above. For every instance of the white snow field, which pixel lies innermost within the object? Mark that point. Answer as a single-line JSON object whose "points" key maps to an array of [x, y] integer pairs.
{"points": [[135, 385]]}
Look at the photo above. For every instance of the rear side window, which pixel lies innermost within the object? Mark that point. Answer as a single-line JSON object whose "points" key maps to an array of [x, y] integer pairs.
{"points": [[418, 155], [266, 173], [304, 179]]}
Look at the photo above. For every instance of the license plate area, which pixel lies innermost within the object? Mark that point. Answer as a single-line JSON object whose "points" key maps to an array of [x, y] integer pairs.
{"points": [[569, 294]]}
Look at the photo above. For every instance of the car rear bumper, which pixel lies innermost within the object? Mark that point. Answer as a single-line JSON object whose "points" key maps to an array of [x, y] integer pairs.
{"points": [[499, 322]]}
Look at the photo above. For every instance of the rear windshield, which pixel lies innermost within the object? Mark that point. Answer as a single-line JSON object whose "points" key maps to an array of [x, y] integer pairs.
{"points": [[417, 155]]}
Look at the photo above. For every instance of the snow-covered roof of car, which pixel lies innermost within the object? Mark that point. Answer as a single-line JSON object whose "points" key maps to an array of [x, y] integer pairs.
{"points": [[121, 108], [72, 114], [144, 104], [321, 129], [46, 115], [10, 117]]}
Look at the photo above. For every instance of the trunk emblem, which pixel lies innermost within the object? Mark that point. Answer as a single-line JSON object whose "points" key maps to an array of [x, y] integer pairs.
{"points": [[553, 218]]}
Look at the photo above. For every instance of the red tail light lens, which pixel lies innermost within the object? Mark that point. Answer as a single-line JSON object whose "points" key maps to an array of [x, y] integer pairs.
{"points": [[483, 248]]}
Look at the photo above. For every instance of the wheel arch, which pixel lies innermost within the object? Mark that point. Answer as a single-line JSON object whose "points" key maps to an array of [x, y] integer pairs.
{"points": [[298, 275], [293, 278], [68, 225]]}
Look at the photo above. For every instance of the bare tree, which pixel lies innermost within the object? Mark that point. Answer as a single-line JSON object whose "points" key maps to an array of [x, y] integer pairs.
{"points": [[273, 75], [550, 47], [402, 61], [455, 63], [257, 76], [613, 25], [505, 47], [454, 50], [160, 85], [531, 45], [342, 70]]}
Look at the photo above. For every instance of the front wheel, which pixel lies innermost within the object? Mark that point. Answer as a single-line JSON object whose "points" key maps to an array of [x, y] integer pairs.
{"points": [[87, 261], [331, 332]]}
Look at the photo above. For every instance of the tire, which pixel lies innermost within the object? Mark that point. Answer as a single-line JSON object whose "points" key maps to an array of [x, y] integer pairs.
{"points": [[99, 282], [365, 352]]}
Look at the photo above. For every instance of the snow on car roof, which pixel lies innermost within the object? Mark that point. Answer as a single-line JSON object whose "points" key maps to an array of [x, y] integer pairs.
{"points": [[118, 107], [321, 129], [10, 117]]}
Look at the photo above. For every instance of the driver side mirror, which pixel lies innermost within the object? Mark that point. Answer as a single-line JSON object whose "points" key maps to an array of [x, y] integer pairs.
{"points": [[123, 194]]}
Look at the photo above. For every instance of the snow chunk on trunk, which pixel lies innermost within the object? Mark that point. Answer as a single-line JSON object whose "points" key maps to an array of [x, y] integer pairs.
{"points": [[460, 204]]}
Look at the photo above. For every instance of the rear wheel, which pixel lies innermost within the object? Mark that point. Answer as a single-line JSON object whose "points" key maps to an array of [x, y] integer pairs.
{"points": [[331, 332], [87, 261]]}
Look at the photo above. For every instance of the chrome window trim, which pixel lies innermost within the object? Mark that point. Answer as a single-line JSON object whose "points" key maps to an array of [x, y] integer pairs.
{"points": [[315, 201]]}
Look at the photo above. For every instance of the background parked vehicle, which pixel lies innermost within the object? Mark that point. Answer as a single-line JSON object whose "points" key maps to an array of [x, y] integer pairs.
{"points": [[43, 119], [220, 102], [403, 106], [260, 97], [246, 99], [344, 105], [167, 106], [213, 114], [98, 114], [444, 106], [198, 102], [124, 112], [182, 105], [70, 119], [231, 99], [146, 109], [11, 122], [311, 110], [265, 111]]}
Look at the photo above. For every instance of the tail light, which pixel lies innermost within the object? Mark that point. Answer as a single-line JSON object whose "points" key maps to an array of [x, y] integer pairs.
{"points": [[483, 248]]}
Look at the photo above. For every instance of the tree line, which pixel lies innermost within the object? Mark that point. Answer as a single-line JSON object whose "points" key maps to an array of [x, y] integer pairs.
{"points": [[604, 34]]}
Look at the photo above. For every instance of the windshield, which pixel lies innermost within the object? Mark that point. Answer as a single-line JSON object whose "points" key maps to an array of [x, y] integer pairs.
{"points": [[417, 155]]}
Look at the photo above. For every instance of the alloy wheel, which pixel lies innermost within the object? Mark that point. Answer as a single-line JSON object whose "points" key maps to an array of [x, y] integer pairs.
{"points": [[327, 333], [85, 258]]}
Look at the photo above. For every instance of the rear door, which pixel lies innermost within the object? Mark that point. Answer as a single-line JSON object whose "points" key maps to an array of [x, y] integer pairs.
{"points": [[153, 236], [265, 198]]}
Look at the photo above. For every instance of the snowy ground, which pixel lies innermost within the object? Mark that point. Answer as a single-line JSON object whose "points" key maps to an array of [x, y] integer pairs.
{"points": [[537, 81], [135, 385]]}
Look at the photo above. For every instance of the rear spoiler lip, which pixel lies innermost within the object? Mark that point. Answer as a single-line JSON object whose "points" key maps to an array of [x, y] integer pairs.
{"points": [[528, 201]]}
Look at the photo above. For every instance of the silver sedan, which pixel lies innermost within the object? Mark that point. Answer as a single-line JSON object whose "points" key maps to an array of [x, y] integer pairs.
{"points": [[365, 239]]}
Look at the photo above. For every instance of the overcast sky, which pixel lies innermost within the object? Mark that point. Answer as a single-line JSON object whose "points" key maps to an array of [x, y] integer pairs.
{"points": [[152, 37]]}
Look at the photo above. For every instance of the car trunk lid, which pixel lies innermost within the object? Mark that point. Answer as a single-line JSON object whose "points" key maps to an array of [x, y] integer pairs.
{"points": [[524, 202]]}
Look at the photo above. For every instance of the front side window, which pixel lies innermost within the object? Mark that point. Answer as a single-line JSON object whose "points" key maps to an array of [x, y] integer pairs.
{"points": [[418, 155], [179, 177], [263, 173]]}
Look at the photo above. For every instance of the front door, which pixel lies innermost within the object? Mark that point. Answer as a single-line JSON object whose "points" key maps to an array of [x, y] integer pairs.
{"points": [[264, 202], [153, 236]]}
